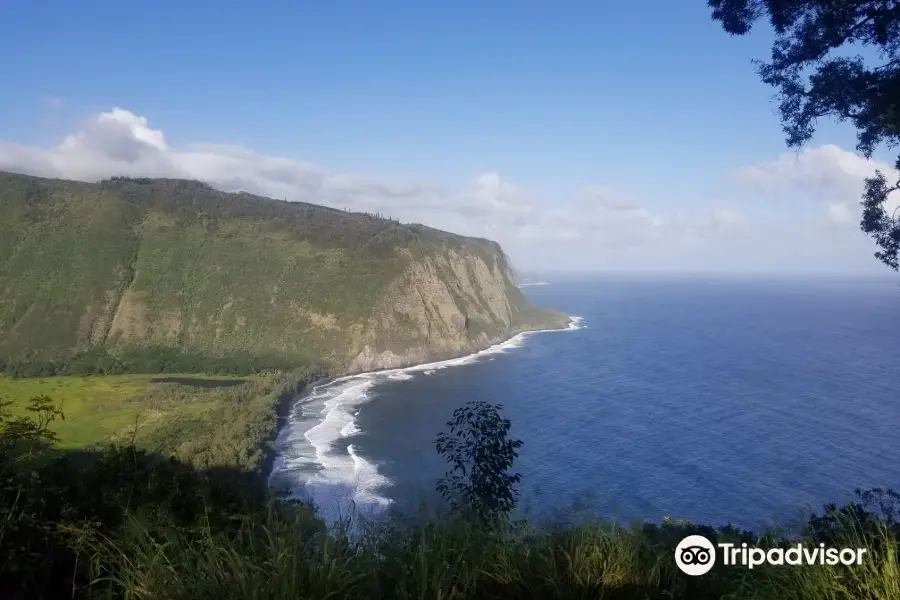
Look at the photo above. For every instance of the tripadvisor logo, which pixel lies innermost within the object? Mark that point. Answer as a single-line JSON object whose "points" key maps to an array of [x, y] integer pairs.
{"points": [[696, 555]]}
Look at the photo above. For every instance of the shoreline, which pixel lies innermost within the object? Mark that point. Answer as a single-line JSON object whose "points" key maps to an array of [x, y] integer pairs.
{"points": [[571, 325], [308, 387], [573, 321], [289, 402]]}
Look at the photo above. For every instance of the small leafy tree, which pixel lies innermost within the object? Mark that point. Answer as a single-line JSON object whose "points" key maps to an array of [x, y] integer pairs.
{"points": [[23, 438], [480, 453]]}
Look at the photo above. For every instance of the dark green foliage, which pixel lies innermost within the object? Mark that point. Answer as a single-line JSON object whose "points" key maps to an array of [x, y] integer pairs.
{"points": [[189, 201], [24, 436], [875, 508], [878, 223], [24, 531], [137, 359], [126, 523], [814, 80], [239, 432], [480, 453], [52, 504]]}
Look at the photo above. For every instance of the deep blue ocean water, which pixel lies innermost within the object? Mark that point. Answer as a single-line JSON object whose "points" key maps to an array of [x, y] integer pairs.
{"points": [[730, 400]]}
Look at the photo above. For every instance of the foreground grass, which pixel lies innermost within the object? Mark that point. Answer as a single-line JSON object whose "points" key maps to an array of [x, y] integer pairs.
{"points": [[99, 409], [288, 554]]}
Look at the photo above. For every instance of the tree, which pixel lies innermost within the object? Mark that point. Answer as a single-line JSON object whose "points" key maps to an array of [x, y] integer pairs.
{"points": [[24, 533], [480, 452], [23, 438], [813, 82]]}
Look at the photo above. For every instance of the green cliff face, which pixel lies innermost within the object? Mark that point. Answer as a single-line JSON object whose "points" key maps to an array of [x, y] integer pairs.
{"points": [[142, 265]]}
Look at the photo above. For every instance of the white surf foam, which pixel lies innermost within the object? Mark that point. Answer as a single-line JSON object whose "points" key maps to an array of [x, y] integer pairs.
{"points": [[312, 461], [350, 429], [521, 285], [400, 376], [575, 323], [309, 453]]}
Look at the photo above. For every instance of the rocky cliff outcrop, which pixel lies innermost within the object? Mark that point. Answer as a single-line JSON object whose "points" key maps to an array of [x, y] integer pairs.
{"points": [[444, 305]]}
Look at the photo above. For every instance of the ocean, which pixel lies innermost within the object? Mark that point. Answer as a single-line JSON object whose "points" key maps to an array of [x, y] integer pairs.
{"points": [[730, 400]]}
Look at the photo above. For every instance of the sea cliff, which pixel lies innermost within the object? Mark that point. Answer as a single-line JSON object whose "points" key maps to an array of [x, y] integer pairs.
{"points": [[105, 272]]}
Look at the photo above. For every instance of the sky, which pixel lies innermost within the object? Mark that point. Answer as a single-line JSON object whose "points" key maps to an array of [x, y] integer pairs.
{"points": [[582, 136]]}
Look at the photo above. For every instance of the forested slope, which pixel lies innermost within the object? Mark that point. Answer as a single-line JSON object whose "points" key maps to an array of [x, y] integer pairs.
{"points": [[163, 274]]}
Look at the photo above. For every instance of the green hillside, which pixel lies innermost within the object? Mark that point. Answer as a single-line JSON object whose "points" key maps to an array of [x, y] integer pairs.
{"points": [[163, 274]]}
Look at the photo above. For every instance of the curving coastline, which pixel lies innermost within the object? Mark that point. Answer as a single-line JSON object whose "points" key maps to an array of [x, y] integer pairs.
{"points": [[309, 460]]}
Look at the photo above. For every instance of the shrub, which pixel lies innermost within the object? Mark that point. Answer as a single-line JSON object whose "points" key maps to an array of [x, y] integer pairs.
{"points": [[480, 453]]}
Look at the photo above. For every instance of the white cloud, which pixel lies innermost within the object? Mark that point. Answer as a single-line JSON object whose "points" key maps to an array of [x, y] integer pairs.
{"points": [[620, 220], [607, 199], [118, 142], [599, 227], [829, 173], [54, 102], [727, 217], [842, 212], [493, 198], [826, 166]]}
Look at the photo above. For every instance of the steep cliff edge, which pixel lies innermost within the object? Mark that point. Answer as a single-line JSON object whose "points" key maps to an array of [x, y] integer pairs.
{"points": [[447, 303], [175, 267]]}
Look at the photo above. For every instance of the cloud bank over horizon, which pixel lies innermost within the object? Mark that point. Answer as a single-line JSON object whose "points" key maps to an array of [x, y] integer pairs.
{"points": [[808, 202]]}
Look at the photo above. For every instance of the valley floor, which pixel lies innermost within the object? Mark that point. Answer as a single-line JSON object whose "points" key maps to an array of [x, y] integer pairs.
{"points": [[104, 408], [204, 420]]}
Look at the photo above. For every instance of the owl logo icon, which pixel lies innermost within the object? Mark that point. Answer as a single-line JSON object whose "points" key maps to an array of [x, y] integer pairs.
{"points": [[695, 555]]}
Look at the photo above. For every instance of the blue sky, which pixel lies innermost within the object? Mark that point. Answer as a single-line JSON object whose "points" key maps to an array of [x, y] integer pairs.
{"points": [[490, 118]]}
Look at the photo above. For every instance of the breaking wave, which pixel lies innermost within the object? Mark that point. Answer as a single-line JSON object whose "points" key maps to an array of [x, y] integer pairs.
{"points": [[315, 458]]}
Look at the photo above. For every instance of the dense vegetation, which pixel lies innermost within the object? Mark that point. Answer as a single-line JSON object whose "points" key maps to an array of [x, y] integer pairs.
{"points": [[148, 359], [237, 430], [122, 522], [120, 407], [816, 76], [204, 422], [163, 275]]}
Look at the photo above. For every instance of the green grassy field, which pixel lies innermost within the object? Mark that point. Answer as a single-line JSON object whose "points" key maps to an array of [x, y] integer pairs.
{"points": [[100, 409]]}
